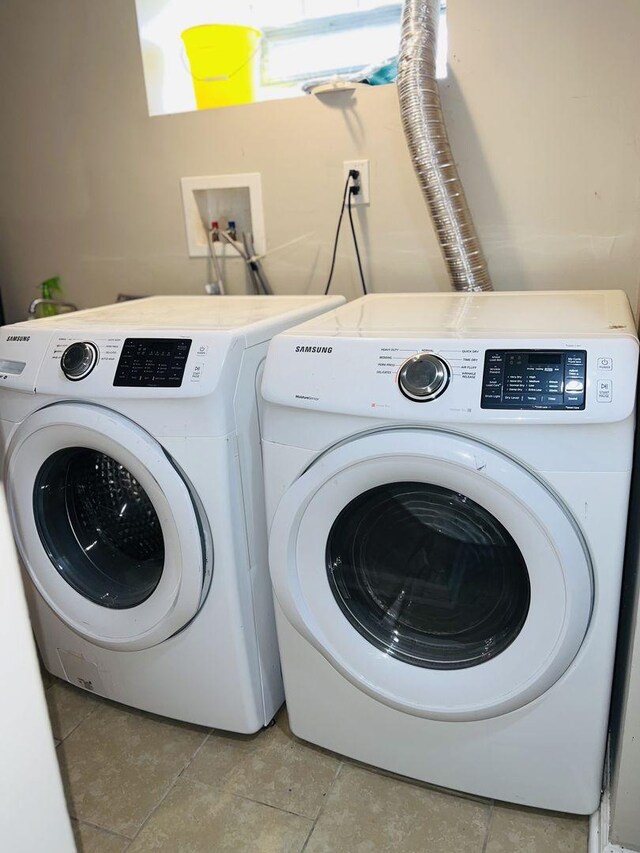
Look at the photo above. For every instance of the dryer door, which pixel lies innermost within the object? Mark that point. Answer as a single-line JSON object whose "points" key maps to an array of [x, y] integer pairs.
{"points": [[106, 525], [435, 573]]}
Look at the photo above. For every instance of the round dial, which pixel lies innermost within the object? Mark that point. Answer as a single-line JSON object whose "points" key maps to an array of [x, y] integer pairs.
{"points": [[78, 360], [424, 377]]}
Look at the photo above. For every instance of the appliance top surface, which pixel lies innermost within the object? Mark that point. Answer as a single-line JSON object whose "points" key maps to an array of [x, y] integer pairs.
{"points": [[507, 314], [223, 313]]}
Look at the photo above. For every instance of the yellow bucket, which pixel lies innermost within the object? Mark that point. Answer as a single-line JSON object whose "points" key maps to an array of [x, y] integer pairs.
{"points": [[223, 63]]}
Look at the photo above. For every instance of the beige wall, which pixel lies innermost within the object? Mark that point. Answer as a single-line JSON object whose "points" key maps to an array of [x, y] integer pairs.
{"points": [[542, 105]]}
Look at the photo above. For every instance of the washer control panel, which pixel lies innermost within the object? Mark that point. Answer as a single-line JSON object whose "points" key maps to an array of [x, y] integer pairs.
{"points": [[152, 363], [534, 379]]}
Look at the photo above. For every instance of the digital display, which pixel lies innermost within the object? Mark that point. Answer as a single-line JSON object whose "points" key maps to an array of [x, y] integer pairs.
{"points": [[152, 363], [545, 358], [534, 379]]}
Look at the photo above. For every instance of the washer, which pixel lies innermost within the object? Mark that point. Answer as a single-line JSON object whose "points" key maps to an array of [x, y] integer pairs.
{"points": [[133, 473], [447, 479]]}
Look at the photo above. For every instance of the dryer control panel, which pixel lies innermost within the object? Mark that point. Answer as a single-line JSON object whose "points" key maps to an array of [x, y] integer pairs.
{"points": [[534, 379], [448, 380]]}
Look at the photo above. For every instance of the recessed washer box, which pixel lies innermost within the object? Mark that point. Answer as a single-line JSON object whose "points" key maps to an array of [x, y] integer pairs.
{"points": [[223, 198]]}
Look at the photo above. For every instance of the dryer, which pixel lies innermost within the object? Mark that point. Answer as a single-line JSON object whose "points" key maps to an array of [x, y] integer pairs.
{"points": [[447, 480], [133, 472]]}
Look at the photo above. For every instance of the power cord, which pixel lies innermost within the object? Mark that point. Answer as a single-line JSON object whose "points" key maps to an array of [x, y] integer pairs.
{"points": [[354, 191], [349, 191], [335, 242]]}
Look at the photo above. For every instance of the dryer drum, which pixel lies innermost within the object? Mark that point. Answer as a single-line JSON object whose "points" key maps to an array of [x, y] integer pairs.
{"points": [[99, 527], [428, 575]]}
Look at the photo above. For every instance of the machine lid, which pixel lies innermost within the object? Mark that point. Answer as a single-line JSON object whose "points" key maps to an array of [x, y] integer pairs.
{"points": [[106, 525], [435, 573], [502, 314], [188, 313]]}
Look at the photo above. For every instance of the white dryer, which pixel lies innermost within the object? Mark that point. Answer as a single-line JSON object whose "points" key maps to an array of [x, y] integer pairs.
{"points": [[133, 472], [447, 479]]}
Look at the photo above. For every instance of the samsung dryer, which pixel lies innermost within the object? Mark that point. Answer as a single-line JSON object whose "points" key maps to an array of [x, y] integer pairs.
{"points": [[133, 474], [447, 479]]}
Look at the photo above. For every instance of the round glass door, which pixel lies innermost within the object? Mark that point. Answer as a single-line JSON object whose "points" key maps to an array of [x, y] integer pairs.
{"points": [[428, 575], [98, 527]]}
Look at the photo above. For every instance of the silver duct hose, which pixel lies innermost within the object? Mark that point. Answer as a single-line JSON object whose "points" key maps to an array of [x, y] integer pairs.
{"points": [[429, 147]]}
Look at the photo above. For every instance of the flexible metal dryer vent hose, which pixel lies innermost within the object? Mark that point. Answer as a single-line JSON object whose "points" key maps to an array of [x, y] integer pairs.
{"points": [[429, 147]]}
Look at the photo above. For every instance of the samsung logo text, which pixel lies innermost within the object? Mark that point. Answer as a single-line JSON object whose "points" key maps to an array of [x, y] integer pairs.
{"points": [[315, 349]]}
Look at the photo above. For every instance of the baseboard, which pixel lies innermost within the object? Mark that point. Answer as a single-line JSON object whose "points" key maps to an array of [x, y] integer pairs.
{"points": [[599, 830]]}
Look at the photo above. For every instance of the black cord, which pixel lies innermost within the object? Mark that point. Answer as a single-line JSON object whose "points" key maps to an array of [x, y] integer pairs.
{"points": [[335, 244], [355, 241]]}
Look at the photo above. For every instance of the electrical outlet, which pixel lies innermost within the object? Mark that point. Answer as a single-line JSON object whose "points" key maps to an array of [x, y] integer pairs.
{"points": [[361, 166]]}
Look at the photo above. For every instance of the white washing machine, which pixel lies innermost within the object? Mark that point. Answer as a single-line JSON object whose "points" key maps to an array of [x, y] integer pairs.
{"points": [[447, 478], [133, 473]]}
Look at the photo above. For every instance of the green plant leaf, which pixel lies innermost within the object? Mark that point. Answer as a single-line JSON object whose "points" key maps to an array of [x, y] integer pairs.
{"points": [[49, 289]]}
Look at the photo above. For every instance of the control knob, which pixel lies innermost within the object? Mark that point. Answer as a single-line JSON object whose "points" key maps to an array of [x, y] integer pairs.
{"points": [[78, 360], [424, 377]]}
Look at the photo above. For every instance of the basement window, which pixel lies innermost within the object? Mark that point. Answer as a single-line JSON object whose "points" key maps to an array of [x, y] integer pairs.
{"points": [[199, 54]]}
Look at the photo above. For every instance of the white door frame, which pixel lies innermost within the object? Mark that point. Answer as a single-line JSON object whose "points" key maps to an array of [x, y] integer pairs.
{"points": [[548, 537], [177, 597]]}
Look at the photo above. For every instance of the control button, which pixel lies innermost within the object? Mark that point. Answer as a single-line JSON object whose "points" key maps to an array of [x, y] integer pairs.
{"points": [[605, 390], [78, 360], [573, 399], [536, 399], [202, 350], [605, 363], [424, 377], [512, 398], [574, 386], [552, 399], [196, 373]]}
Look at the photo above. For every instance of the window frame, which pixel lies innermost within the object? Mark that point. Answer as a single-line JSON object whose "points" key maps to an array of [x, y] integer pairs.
{"points": [[316, 28]]}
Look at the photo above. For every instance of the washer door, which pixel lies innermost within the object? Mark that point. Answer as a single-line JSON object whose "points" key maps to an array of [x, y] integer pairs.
{"points": [[106, 526], [433, 572]]}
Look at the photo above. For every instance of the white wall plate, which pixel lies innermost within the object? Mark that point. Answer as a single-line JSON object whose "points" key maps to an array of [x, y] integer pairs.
{"points": [[222, 198]]}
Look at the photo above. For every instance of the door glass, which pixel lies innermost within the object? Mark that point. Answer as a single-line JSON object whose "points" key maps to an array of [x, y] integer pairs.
{"points": [[99, 527], [428, 575]]}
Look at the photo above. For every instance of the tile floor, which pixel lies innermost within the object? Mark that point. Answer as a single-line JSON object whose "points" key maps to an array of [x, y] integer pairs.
{"points": [[137, 782]]}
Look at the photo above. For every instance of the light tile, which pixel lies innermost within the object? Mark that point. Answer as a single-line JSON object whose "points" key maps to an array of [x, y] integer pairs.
{"points": [[221, 756], [68, 707], [273, 767], [47, 679], [196, 818], [529, 831], [366, 812], [120, 763], [89, 839]]}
